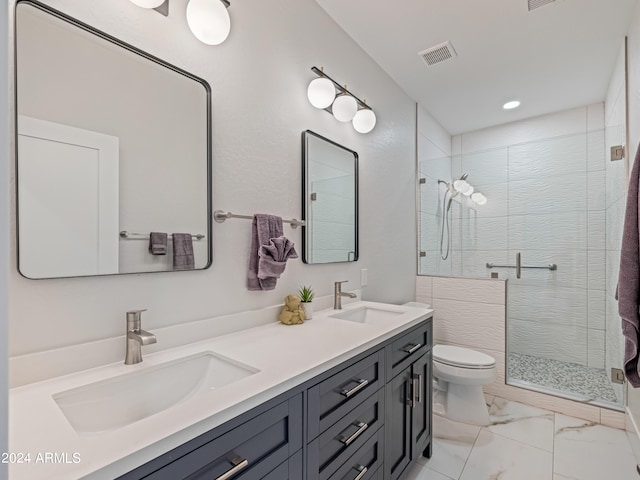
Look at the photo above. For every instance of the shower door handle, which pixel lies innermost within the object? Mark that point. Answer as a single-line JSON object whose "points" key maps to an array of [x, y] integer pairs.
{"points": [[518, 265]]}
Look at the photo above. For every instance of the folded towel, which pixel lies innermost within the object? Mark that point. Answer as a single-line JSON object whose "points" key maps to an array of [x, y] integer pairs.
{"points": [[263, 229], [628, 291], [158, 243], [272, 258], [183, 258]]}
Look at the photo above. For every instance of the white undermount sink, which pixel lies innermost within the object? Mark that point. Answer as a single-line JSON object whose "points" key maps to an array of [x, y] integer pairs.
{"points": [[127, 398], [369, 314]]}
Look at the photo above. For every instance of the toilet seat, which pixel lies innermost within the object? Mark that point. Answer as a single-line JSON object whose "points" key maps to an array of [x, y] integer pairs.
{"points": [[462, 357]]}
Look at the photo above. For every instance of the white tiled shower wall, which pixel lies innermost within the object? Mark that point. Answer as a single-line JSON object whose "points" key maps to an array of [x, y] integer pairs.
{"points": [[471, 313], [545, 183]]}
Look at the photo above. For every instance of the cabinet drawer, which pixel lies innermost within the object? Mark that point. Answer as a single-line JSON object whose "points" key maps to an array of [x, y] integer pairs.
{"points": [[340, 441], [363, 465], [251, 450], [331, 399], [408, 348]]}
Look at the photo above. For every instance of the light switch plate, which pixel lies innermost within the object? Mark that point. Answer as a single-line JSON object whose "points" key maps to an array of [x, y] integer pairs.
{"points": [[363, 277]]}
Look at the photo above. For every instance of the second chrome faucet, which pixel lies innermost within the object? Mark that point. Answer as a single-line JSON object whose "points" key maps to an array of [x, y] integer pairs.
{"points": [[338, 294], [136, 337]]}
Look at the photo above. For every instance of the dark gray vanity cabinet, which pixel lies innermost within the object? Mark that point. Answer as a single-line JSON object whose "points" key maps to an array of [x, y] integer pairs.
{"points": [[365, 419], [267, 446], [408, 401]]}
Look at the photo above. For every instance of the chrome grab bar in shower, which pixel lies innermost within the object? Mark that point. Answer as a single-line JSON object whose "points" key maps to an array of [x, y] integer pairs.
{"points": [[551, 266], [518, 265]]}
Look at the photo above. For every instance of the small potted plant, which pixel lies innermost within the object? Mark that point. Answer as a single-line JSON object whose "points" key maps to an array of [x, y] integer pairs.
{"points": [[306, 295]]}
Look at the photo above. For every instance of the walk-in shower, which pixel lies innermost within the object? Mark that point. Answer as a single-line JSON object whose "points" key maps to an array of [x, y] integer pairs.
{"points": [[551, 228]]}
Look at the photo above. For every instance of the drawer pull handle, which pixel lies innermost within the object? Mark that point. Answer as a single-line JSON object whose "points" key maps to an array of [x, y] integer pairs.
{"points": [[361, 384], [417, 377], [239, 464], [363, 471], [361, 428], [411, 349]]}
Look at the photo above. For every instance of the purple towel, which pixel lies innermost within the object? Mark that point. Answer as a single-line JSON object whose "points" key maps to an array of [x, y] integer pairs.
{"points": [[158, 243], [628, 291], [272, 258], [183, 258], [264, 228]]}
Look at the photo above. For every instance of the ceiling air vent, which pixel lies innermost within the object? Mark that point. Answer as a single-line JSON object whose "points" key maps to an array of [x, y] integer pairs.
{"points": [[438, 54], [533, 4]]}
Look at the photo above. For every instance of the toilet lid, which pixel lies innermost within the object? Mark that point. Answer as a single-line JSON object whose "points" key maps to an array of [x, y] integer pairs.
{"points": [[462, 357]]}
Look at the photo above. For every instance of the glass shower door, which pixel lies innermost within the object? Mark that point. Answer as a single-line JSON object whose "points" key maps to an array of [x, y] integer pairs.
{"points": [[556, 301]]}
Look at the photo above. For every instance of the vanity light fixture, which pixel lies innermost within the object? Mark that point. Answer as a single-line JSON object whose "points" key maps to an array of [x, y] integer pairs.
{"points": [[340, 102], [148, 3], [208, 20]]}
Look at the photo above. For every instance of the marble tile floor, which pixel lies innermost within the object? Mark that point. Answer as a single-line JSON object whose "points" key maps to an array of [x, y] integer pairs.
{"points": [[526, 443]]}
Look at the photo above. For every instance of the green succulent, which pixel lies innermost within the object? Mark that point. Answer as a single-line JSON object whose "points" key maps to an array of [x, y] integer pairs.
{"points": [[306, 293]]}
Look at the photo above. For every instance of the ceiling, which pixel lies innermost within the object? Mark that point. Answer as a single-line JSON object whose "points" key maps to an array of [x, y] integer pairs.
{"points": [[558, 56]]}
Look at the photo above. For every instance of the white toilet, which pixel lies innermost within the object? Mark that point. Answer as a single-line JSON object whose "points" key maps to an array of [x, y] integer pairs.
{"points": [[459, 374]]}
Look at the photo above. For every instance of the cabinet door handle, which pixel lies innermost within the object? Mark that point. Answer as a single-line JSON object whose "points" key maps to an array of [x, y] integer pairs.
{"points": [[363, 471], [411, 399], [417, 392], [412, 348], [239, 464], [361, 384], [361, 428]]}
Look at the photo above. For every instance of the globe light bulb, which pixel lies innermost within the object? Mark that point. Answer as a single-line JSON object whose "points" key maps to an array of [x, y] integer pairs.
{"points": [[209, 21], [321, 92], [344, 108], [364, 121]]}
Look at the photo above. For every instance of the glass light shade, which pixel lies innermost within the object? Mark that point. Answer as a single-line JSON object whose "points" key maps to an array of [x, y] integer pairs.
{"points": [[147, 3], [321, 92], [364, 121], [344, 108], [209, 21], [479, 198]]}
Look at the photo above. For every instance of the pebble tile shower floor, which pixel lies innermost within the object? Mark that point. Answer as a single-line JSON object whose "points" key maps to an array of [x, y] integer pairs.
{"points": [[592, 383]]}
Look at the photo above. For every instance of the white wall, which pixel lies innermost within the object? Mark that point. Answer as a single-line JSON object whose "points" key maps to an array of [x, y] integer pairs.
{"points": [[259, 78]]}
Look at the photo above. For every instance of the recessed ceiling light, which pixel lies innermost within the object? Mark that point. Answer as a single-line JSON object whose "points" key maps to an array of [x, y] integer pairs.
{"points": [[511, 105]]}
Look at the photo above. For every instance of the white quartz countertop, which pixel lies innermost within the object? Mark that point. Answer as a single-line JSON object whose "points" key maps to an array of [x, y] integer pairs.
{"points": [[285, 356]]}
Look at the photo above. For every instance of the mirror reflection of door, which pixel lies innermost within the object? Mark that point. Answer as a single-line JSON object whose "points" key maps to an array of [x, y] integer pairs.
{"points": [[68, 199]]}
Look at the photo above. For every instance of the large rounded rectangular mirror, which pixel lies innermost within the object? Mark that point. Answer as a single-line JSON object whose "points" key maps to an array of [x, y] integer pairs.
{"points": [[112, 145]]}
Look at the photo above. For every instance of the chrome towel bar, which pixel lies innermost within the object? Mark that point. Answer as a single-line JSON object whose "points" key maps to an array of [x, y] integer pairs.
{"points": [[220, 216], [143, 236]]}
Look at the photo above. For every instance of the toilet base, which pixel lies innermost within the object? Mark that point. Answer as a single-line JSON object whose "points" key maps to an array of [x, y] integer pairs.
{"points": [[466, 404]]}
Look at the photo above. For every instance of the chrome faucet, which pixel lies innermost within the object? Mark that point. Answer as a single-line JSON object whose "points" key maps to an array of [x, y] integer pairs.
{"points": [[338, 294], [136, 337]]}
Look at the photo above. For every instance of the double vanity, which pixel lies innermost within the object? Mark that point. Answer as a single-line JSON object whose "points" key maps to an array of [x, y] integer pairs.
{"points": [[346, 395]]}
